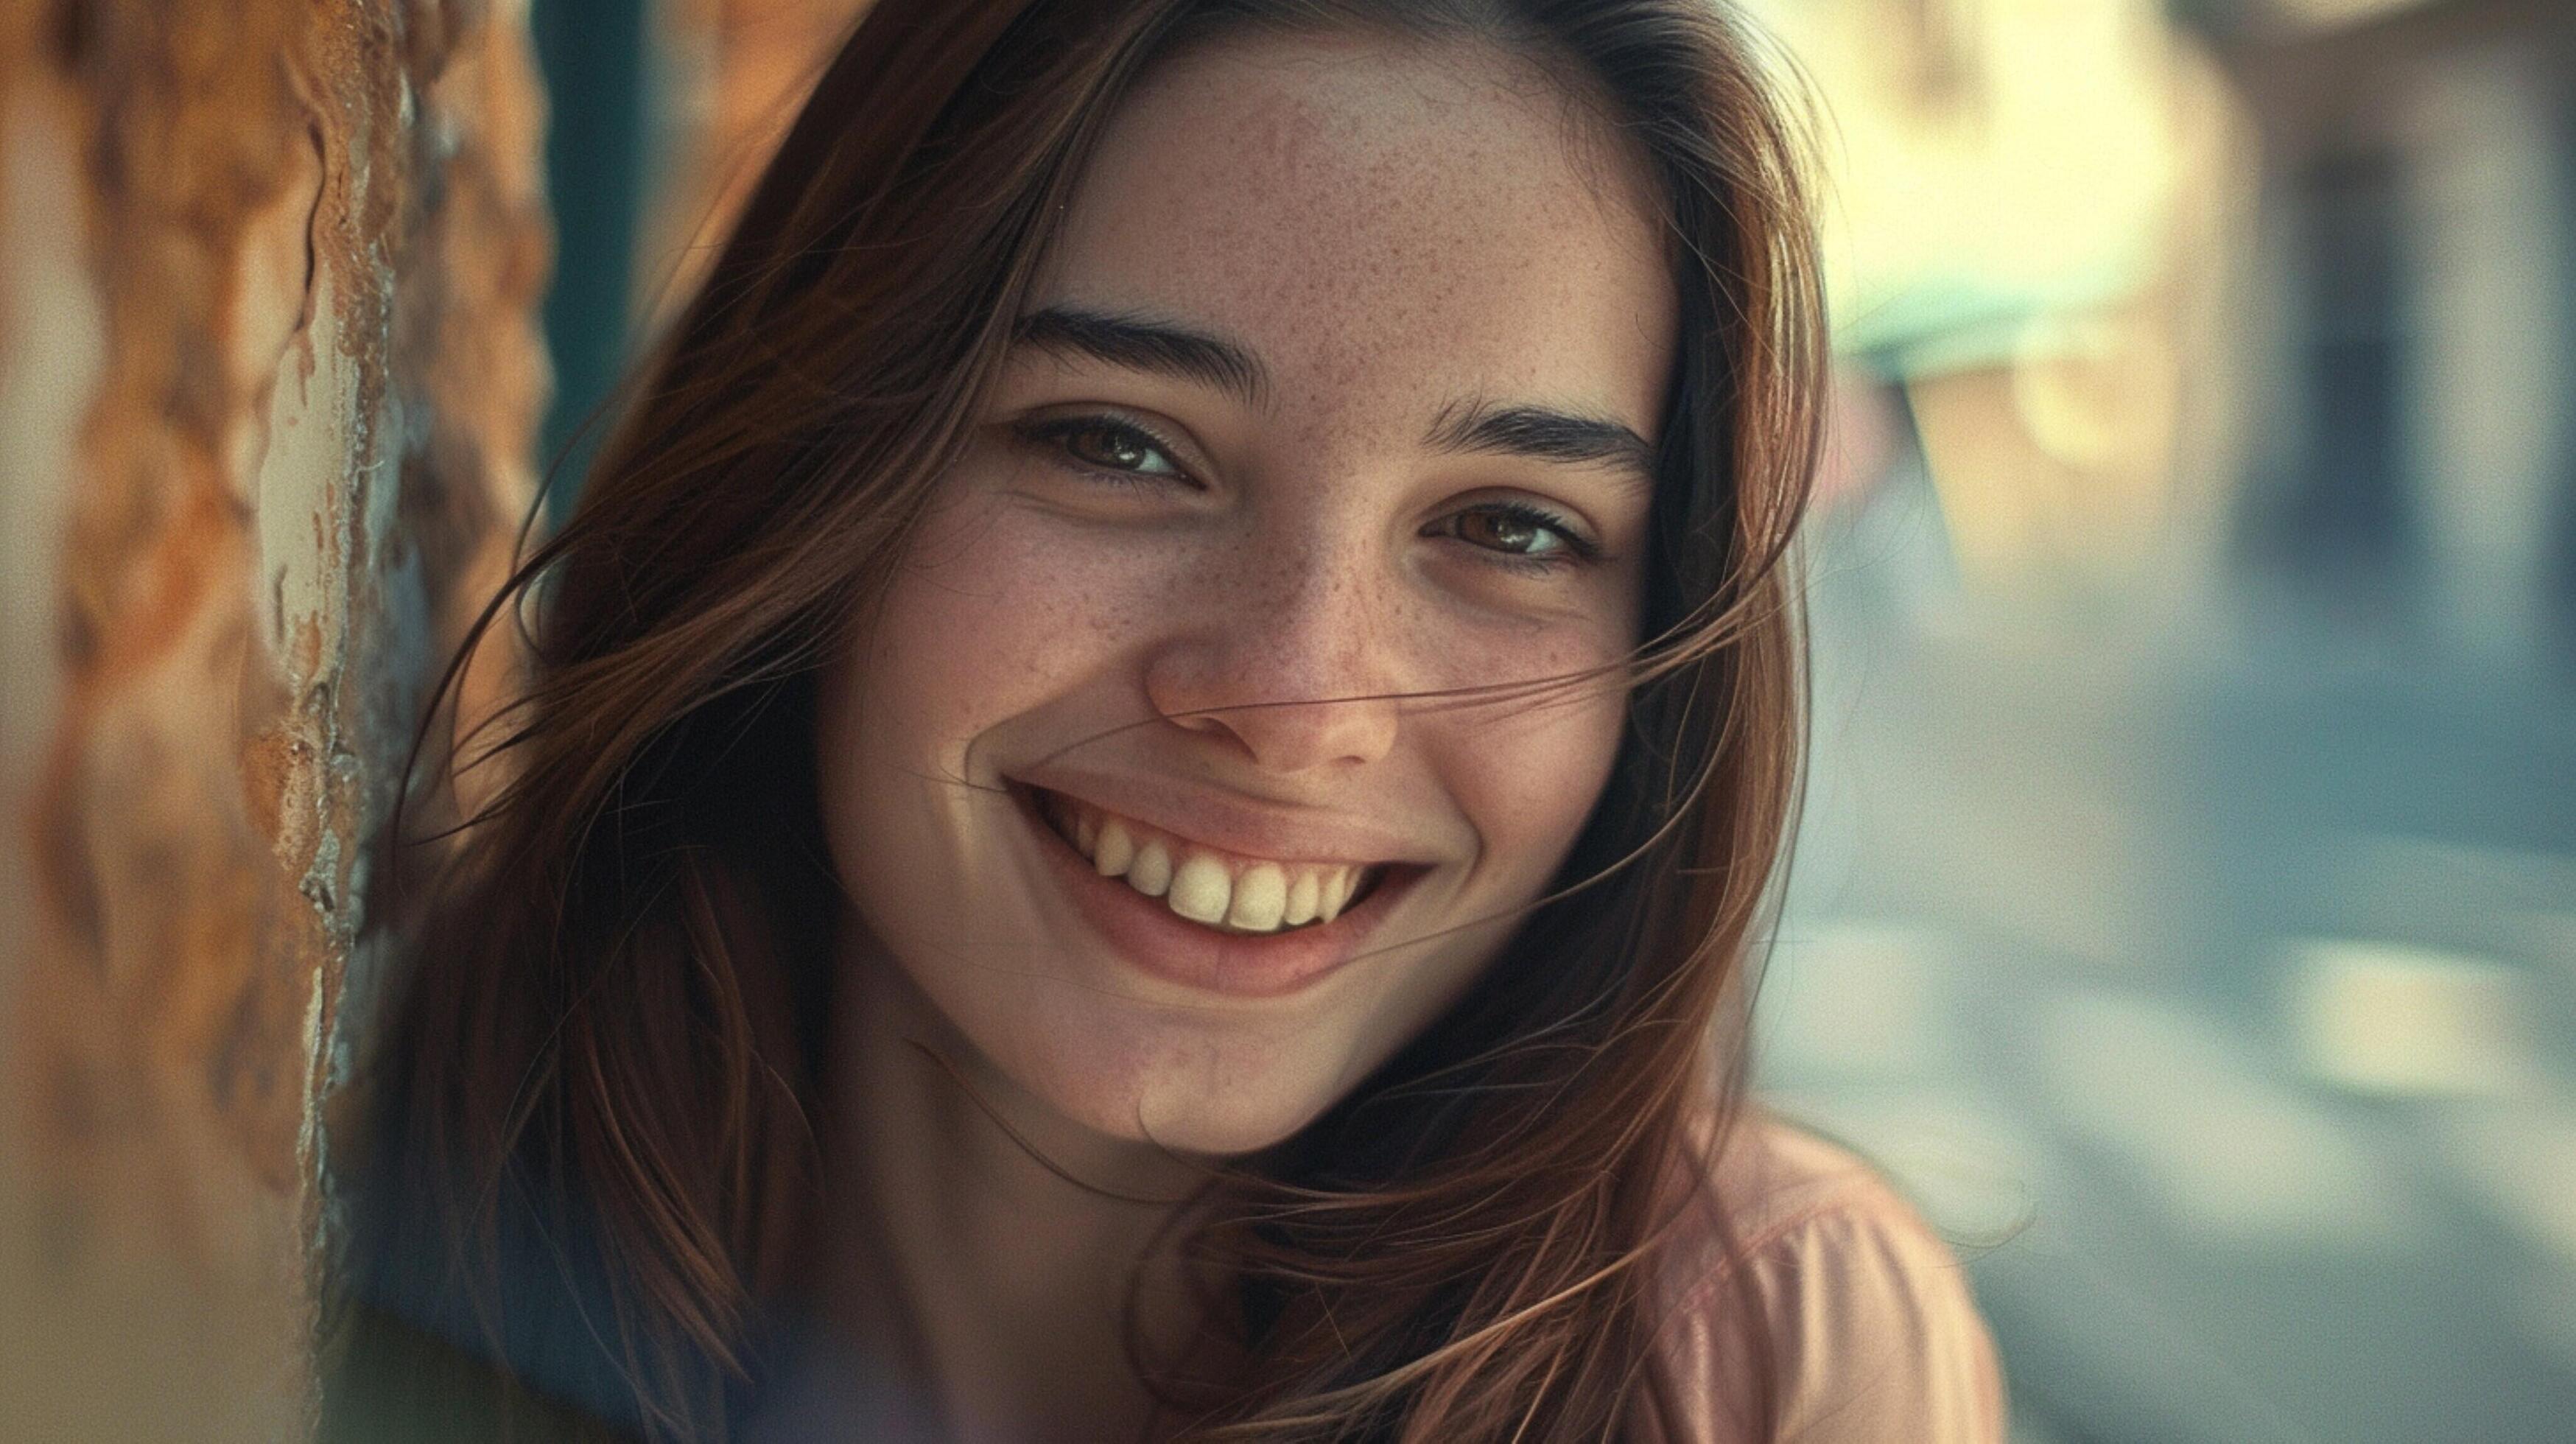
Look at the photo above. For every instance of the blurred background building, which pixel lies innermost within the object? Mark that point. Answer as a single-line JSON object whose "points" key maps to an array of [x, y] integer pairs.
{"points": [[2413, 286], [2187, 903]]}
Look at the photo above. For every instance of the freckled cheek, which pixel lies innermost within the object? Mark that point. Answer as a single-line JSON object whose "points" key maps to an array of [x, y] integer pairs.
{"points": [[1527, 778], [980, 630]]}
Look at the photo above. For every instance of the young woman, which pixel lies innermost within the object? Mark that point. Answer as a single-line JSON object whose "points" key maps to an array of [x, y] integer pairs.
{"points": [[1148, 774]]}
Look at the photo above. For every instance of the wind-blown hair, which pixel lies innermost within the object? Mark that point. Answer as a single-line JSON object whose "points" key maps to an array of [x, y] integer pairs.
{"points": [[589, 1129]]}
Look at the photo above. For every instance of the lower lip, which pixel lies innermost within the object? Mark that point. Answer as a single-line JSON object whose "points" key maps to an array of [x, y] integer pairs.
{"points": [[1149, 935]]}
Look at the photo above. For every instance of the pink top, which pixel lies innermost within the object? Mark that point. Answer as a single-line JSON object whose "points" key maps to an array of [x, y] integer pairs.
{"points": [[1873, 1332]]}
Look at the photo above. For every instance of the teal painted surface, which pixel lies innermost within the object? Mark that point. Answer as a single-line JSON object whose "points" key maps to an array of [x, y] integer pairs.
{"points": [[592, 53]]}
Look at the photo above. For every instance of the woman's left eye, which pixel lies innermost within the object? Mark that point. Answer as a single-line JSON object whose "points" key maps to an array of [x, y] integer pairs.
{"points": [[1121, 450], [1525, 537]]}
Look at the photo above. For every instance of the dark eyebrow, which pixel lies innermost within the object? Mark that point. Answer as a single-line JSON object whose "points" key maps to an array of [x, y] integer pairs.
{"points": [[1144, 344], [1545, 434]]}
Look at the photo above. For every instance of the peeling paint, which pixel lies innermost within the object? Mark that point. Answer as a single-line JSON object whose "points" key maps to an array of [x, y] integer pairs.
{"points": [[264, 472]]}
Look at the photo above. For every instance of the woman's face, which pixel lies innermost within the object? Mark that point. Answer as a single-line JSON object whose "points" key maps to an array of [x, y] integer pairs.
{"points": [[1335, 397]]}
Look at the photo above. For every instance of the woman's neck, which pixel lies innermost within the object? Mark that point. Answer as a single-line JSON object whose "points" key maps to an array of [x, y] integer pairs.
{"points": [[1000, 1284]]}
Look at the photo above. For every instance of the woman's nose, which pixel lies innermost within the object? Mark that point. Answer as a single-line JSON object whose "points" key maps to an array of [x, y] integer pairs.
{"points": [[1292, 666]]}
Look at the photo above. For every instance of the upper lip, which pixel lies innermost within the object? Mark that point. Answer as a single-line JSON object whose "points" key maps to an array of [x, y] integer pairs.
{"points": [[1233, 824]]}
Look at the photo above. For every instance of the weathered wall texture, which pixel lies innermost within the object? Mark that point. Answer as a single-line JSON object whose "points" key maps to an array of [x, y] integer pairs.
{"points": [[268, 382]]}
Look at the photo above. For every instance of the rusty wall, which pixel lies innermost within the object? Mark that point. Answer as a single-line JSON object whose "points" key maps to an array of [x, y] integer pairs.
{"points": [[268, 382]]}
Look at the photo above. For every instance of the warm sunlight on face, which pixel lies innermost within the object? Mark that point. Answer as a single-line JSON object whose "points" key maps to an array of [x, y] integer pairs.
{"points": [[1338, 385]]}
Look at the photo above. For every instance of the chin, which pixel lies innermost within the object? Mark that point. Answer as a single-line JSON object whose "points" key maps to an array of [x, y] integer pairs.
{"points": [[1208, 1090], [1197, 1131]]}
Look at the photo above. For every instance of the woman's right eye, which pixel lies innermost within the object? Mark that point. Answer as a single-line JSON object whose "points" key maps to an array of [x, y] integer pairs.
{"points": [[1116, 449]]}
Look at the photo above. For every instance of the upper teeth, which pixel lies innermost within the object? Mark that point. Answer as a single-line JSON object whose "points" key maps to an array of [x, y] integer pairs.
{"points": [[1244, 894]]}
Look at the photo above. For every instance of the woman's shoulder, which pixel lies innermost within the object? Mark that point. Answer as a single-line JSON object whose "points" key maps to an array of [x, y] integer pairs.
{"points": [[1799, 1287]]}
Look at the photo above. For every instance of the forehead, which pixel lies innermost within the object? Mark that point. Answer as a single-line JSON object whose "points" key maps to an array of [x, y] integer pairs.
{"points": [[1391, 225]]}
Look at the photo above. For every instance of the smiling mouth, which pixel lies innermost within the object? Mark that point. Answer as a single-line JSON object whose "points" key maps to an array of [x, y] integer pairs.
{"points": [[1222, 892]]}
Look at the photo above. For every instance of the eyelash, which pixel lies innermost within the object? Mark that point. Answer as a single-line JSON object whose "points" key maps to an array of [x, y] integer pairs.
{"points": [[1053, 432], [1577, 549]]}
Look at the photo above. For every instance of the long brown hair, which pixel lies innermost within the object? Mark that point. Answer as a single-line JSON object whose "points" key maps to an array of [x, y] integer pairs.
{"points": [[598, 1072]]}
